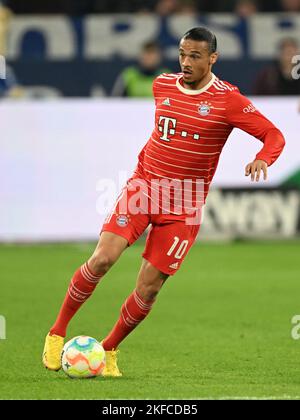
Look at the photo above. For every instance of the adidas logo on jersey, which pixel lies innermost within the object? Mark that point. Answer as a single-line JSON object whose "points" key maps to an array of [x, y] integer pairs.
{"points": [[174, 265], [167, 102]]}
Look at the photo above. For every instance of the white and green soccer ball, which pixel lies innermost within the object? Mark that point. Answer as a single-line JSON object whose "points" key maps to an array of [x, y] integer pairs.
{"points": [[83, 357]]}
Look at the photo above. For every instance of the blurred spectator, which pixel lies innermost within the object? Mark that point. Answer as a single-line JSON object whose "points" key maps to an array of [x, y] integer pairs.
{"points": [[9, 87], [80, 7], [280, 5], [187, 7], [5, 15], [212, 6], [290, 5], [277, 79], [245, 8], [136, 81], [166, 7], [123, 6], [162, 7]]}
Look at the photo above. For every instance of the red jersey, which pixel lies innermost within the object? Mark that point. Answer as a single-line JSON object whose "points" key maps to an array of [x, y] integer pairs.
{"points": [[192, 126]]}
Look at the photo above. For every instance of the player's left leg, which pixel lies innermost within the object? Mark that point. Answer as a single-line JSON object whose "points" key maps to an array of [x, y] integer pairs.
{"points": [[136, 307]]}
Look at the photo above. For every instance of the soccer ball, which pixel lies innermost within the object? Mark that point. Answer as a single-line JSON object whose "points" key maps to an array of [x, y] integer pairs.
{"points": [[83, 357]]}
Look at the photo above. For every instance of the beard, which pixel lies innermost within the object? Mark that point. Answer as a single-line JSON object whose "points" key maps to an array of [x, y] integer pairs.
{"points": [[189, 82]]}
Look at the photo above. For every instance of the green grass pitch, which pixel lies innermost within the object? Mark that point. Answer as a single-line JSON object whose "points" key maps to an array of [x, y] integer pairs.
{"points": [[221, 327]]}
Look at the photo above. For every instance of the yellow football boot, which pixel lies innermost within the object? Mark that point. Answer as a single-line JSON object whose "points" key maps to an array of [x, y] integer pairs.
{"points": [[52, 352], [111, 366]]}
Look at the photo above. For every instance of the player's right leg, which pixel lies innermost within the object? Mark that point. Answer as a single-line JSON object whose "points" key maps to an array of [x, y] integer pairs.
{"points": [[168, 243], [83, 283]]}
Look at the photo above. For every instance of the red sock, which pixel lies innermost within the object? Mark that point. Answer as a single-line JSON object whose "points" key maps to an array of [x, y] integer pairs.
{"points": [[81, 288], [133, 311]]}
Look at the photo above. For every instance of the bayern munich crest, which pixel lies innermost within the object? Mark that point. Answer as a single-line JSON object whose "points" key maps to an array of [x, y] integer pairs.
{"points": [[122, 220], [204, 108]]}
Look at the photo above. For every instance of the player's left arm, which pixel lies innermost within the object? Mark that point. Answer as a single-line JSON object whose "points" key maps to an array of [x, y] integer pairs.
{"points": [[242, 114]]}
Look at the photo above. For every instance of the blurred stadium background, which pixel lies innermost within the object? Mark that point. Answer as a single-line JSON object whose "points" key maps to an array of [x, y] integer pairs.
{"points": [[71, 68], [58, 133]]}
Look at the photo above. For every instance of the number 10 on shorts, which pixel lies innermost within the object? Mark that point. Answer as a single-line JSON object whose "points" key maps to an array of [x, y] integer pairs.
{"points": [[180, 250]]}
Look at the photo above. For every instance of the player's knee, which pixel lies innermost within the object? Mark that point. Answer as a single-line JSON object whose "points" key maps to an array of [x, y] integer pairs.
{"points": [[101, 261], [148, 289], [150, 282], [148, 292]]}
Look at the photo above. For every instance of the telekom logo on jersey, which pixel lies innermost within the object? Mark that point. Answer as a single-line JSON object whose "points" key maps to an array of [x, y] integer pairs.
{"points": [[162, 195], [168, 127]]}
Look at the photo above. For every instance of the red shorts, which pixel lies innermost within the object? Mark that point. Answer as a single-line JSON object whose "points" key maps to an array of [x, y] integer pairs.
{"points": [[169, 238]]}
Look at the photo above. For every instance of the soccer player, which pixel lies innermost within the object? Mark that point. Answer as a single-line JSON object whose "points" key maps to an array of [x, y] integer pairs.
{"points": [[195, 114]]}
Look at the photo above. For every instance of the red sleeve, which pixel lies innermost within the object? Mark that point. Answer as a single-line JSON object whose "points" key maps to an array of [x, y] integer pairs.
{"points": [[154, 87], [241, 113]]}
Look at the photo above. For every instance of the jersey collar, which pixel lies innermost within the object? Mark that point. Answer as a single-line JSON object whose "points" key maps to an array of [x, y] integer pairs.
{"points": [[195, 92]]}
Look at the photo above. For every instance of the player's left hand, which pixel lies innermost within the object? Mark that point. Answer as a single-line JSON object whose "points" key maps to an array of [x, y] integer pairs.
{"points": [[254, 169]]}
